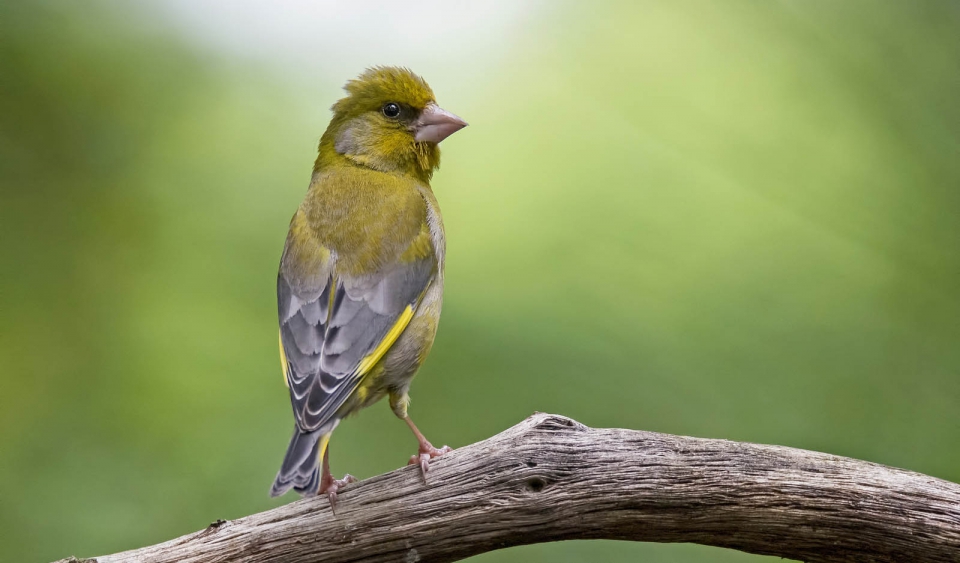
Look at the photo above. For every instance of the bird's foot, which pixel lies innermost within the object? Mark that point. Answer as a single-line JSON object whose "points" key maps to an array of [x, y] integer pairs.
{"points": [[329, 486], [423, 457]]}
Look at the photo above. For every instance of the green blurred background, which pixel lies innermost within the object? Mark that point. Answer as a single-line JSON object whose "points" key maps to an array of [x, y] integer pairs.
{"points": [[736, 220]]}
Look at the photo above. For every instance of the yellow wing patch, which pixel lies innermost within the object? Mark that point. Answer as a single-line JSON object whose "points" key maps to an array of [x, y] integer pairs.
{"points": [[371, 359], [324, 442], [283, 361]]}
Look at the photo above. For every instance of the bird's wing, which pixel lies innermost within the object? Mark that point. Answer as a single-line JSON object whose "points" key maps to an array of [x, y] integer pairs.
{"points": [[334, 327]]}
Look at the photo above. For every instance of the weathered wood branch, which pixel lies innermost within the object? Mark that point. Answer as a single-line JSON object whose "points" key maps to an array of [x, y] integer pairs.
{"points": [[550, 478]]}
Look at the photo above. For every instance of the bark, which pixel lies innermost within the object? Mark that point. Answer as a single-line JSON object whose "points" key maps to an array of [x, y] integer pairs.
{"points": [[550, 478]]}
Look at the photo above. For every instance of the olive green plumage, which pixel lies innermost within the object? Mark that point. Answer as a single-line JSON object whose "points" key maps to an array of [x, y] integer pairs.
{"points": [[361, 276]]}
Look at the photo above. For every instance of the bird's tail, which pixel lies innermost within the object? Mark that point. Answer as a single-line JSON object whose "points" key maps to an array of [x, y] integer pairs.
{"points": [[300, 465]]}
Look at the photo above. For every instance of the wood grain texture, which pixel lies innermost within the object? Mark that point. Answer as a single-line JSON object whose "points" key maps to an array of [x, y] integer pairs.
{"points": [[550, 478]]}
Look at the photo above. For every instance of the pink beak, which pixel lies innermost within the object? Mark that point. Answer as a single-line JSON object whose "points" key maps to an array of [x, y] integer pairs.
{"points": [[436, 124]]}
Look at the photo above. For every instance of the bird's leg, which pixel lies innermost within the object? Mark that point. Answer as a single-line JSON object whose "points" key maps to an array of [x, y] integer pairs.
{"points": [[426, 451], [329, 485], [399, 402]]}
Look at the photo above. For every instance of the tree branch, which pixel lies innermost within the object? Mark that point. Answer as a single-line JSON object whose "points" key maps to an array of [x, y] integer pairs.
{"points": [[550, 478]]}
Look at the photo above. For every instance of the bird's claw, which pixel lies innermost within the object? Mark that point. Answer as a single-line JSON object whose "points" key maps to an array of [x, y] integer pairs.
{"points": [[425, 455], [330, 487]]}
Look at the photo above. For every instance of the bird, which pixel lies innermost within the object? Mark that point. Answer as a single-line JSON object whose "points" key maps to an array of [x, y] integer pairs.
{"points": [[360, 283]]}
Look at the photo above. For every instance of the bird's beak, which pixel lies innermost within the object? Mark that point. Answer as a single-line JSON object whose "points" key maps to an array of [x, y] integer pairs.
{"points": [[436, 124]]}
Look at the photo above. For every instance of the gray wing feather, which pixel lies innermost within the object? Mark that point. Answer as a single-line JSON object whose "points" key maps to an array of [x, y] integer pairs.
{"points": [[324, 344]]}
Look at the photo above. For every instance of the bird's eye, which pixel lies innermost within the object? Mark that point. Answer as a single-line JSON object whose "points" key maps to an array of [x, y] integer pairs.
{"points": [[391, 110]]}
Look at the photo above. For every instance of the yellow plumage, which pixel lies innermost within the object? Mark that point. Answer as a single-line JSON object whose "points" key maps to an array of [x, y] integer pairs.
{"points": [[361, 276]]}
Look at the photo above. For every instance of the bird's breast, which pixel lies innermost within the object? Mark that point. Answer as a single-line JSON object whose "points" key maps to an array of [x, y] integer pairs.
{"points": [[368, 218]]}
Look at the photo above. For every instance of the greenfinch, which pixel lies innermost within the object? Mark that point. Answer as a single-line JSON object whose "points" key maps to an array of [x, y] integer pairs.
{"points": [[361, 276]]}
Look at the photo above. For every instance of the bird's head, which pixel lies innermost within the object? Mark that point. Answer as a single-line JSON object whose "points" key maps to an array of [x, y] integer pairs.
{"points": [[389, 121]]}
